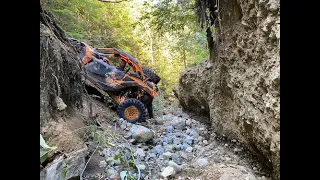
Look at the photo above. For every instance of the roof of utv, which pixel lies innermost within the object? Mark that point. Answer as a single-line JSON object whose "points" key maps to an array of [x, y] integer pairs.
{"points": [[128, 55]]}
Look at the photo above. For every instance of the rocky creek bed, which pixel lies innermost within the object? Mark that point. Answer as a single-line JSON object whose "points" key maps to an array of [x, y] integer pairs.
{"points": [[172, 146]]}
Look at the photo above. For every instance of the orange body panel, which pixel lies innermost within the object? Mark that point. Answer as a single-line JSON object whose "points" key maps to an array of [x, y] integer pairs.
{"points": [[119, 99], [141, 83], [87, 56]]}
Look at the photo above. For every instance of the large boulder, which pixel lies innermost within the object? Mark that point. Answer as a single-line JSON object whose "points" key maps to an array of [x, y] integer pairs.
{"points": [[75, 164], [141, 133], [167, 172]]}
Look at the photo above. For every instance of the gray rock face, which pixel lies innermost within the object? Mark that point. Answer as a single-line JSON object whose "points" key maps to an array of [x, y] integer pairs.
{"points": [[167, 155], [168, 171], [140, 152], [185, 146], [152, 155], [176, 167], [141, 133], [202, 162], [188, 140], [205, 142], [169, 148], [60, 104], [170, 129], [175, 158], [127, 135], [76, 161], [184, 155], [141, 166], [165, 140], [177, 141], [110, 161], [194, 134], [112, 174], [189, 149], [103, 164], [177, 147], [188, 122], [123, 126], [178, 134], [209, 66], [158, 150], [178, 123]]}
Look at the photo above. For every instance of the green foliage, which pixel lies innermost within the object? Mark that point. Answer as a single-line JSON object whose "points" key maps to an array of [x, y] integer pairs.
{"points": [[163, 35], [125, 156], [173, 16], [159, 102], [43, 156], [179, 42], [66, 168], [47, 149]]}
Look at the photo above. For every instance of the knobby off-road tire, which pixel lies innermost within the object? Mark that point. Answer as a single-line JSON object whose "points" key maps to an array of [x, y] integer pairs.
{"points": [[151, 74], [132, 110]]}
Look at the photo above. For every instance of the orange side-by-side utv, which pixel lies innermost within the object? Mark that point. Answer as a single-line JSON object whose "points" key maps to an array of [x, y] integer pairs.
{"points": [[130, 87]]}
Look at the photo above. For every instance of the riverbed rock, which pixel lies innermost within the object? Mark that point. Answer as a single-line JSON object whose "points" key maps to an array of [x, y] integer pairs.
{"points": [[141, 133]]}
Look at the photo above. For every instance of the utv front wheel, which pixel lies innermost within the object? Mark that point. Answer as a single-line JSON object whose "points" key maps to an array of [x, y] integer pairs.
{"points": [[132, 110]]}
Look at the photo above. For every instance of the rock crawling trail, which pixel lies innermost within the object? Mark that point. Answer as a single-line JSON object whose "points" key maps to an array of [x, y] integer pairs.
{"points": [[171, 146]]}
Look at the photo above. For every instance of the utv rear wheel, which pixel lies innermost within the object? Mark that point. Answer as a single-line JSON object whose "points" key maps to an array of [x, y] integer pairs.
{"points": [[132, 110], [151, 74]]}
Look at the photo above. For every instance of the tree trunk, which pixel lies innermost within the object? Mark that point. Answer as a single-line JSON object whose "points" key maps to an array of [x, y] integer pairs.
{"points": [[150, 44], [184, 59]]}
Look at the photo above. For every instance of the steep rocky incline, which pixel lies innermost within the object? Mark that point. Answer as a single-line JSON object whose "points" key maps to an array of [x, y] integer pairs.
{"points": [[239, 87]]}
